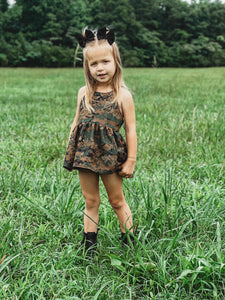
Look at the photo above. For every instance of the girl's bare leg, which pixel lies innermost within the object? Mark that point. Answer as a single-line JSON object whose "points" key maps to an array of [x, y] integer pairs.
{"points": [[89, 182], [114, 186]]}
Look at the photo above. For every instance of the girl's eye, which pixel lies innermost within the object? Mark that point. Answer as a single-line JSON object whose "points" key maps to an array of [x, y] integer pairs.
{"points": [[93, 64], [106, 61]]}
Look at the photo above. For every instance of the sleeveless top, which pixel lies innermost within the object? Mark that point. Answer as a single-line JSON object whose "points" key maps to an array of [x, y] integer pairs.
{"points": [[95, 143]]}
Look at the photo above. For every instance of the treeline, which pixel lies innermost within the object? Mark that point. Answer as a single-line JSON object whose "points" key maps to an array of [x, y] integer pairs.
{"points": [[166, 33]]}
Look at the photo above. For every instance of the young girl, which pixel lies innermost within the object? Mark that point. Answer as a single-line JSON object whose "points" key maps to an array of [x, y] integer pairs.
{"points": [[96, 148]]}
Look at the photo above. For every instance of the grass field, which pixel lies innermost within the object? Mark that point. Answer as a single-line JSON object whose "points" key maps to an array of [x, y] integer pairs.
{"points": [[176, 196]]}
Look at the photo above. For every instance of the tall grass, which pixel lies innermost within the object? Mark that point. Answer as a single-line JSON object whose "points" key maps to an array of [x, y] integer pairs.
{"points": [[176, 196]]}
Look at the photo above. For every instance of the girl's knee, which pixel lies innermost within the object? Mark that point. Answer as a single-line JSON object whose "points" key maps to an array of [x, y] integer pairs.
{"points": [[117, 202], [91, 201]]}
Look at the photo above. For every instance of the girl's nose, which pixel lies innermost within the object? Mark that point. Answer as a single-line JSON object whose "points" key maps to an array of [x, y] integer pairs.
{"points": [[99, 67]]}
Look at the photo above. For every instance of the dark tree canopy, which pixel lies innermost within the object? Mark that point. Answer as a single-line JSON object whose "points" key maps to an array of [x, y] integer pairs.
{"points": [[166, 33]]}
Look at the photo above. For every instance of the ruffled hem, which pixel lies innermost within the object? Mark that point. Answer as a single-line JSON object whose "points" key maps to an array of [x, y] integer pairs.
{"points": [[95, 147], [90, 169]]}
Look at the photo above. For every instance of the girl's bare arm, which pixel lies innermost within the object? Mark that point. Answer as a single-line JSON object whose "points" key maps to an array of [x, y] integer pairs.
{"points": [[131, 136], [80, 95]]}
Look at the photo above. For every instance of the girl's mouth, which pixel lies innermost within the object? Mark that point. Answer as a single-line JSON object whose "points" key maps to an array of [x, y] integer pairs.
{"points": [[101, 75]]}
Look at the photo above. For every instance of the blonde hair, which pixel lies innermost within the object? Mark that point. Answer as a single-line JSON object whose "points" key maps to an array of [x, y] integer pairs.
{"points": [[117, 80]]}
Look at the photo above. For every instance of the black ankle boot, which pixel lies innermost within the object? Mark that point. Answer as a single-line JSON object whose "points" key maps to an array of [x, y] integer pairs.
{"points": [[90, 241], [125, 239]]}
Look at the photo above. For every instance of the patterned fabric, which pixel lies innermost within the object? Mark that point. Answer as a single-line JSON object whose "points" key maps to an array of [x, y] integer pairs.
{"points": [[95, 143]]}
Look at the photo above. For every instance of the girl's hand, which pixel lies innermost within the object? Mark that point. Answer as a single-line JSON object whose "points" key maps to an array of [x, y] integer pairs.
{"points": [[127, 169]]}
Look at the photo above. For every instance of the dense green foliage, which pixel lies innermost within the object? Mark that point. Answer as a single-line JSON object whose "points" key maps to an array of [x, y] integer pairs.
{"points": [[176, 196], [149, 32]]}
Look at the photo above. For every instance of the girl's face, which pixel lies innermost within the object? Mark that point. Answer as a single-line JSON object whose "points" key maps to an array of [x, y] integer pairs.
{"points": [[101, 63]]}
